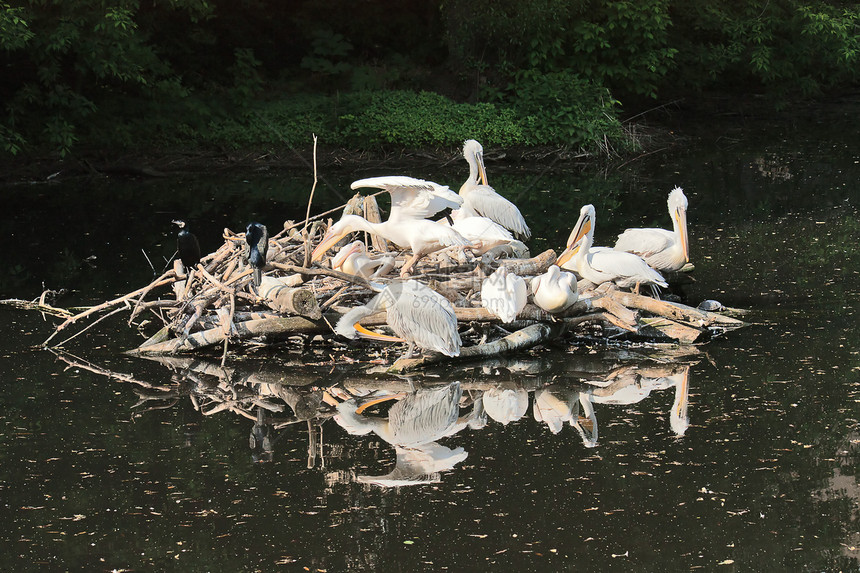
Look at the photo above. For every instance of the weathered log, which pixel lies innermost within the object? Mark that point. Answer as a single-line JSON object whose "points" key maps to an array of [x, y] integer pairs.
{"points": [[289, 300], [530, 267], [675, 311], [372, 214], [243, 330], [671, 329]]}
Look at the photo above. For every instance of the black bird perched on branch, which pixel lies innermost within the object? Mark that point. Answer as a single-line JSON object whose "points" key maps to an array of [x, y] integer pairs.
{"points": [[186, 243], [257, 238]]}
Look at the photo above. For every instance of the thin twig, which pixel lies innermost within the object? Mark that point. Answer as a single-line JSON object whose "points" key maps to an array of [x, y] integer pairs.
{"points": [[313, 187]]}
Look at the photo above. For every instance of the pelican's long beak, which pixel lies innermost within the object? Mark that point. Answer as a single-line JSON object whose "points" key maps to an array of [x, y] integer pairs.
{"points": [[583, 226], [568, 254], [375, 401], [329, 240], [375, 335], [681, 220], [482, 171]]}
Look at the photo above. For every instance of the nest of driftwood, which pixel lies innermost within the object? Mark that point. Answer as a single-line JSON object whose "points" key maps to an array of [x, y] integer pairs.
{"points": [[217, 306]]}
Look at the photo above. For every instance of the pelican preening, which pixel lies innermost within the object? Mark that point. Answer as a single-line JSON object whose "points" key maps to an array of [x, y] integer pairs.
{"points": [[353, 259], [504, 294], [187, 245], [257, 237], [481, 199], [417, 314], [600, 265], [555, 290], [663, 250], [411, 201]]}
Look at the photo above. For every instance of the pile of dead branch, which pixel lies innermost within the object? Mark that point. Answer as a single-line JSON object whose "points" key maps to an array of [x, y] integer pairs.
{"points": [[216, 304]]}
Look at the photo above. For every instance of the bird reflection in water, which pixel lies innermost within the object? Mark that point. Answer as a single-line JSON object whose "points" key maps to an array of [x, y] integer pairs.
{"points": [[554, 405], [413, 426]]}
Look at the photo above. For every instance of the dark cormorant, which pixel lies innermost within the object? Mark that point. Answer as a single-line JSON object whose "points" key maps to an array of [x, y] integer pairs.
{"points": [[258, 243], [189, 248]]}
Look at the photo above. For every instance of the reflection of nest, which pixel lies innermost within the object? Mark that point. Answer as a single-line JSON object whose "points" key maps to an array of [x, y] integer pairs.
{"points": [[426, 410]]}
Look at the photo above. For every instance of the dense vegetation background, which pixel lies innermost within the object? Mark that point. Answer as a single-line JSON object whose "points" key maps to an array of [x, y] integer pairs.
{"points": [[125, 74]]}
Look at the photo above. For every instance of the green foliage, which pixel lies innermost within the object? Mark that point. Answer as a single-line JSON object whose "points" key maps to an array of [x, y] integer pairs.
{"points": [[561, 107], [623, 45], [363, 120], [70, 57], [424, 118], [247, 81], [784, 46], [328, 50], [129, 73]]}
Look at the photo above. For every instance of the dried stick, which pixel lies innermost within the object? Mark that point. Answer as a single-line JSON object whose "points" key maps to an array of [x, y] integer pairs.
{"points": [[166, 278], [313, 188]]}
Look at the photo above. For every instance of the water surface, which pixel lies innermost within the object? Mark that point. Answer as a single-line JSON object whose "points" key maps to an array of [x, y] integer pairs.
{"points": [[154, 471]]}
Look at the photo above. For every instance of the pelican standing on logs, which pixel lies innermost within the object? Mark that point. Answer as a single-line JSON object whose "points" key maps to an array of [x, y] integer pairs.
{"points": [[411, 201], [600, 265], [481, 199], [417, 314], [663, 250]]}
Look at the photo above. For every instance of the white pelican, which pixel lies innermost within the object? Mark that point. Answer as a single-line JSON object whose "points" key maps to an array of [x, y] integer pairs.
{"points": [[481, 199], [504, 294], [554, 405], [354, 260], [412, 198], [420, 235], [663, 250], [554, 291], [600, 265], [482, 232], [417, 314]]}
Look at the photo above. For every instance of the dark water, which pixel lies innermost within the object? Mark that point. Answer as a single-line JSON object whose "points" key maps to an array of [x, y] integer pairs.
{"points": [[180, 465]]}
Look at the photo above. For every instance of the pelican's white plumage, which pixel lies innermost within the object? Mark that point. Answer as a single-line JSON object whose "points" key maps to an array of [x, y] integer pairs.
{"points": [[353, 259], [481, 199], [504, 294], [411, 201], [417, 314], [555, 290], [552, 406], [483, 233], [412, 198], [600, 265], [420, 417], [505, 405], [663, 250], [421, 235]]}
